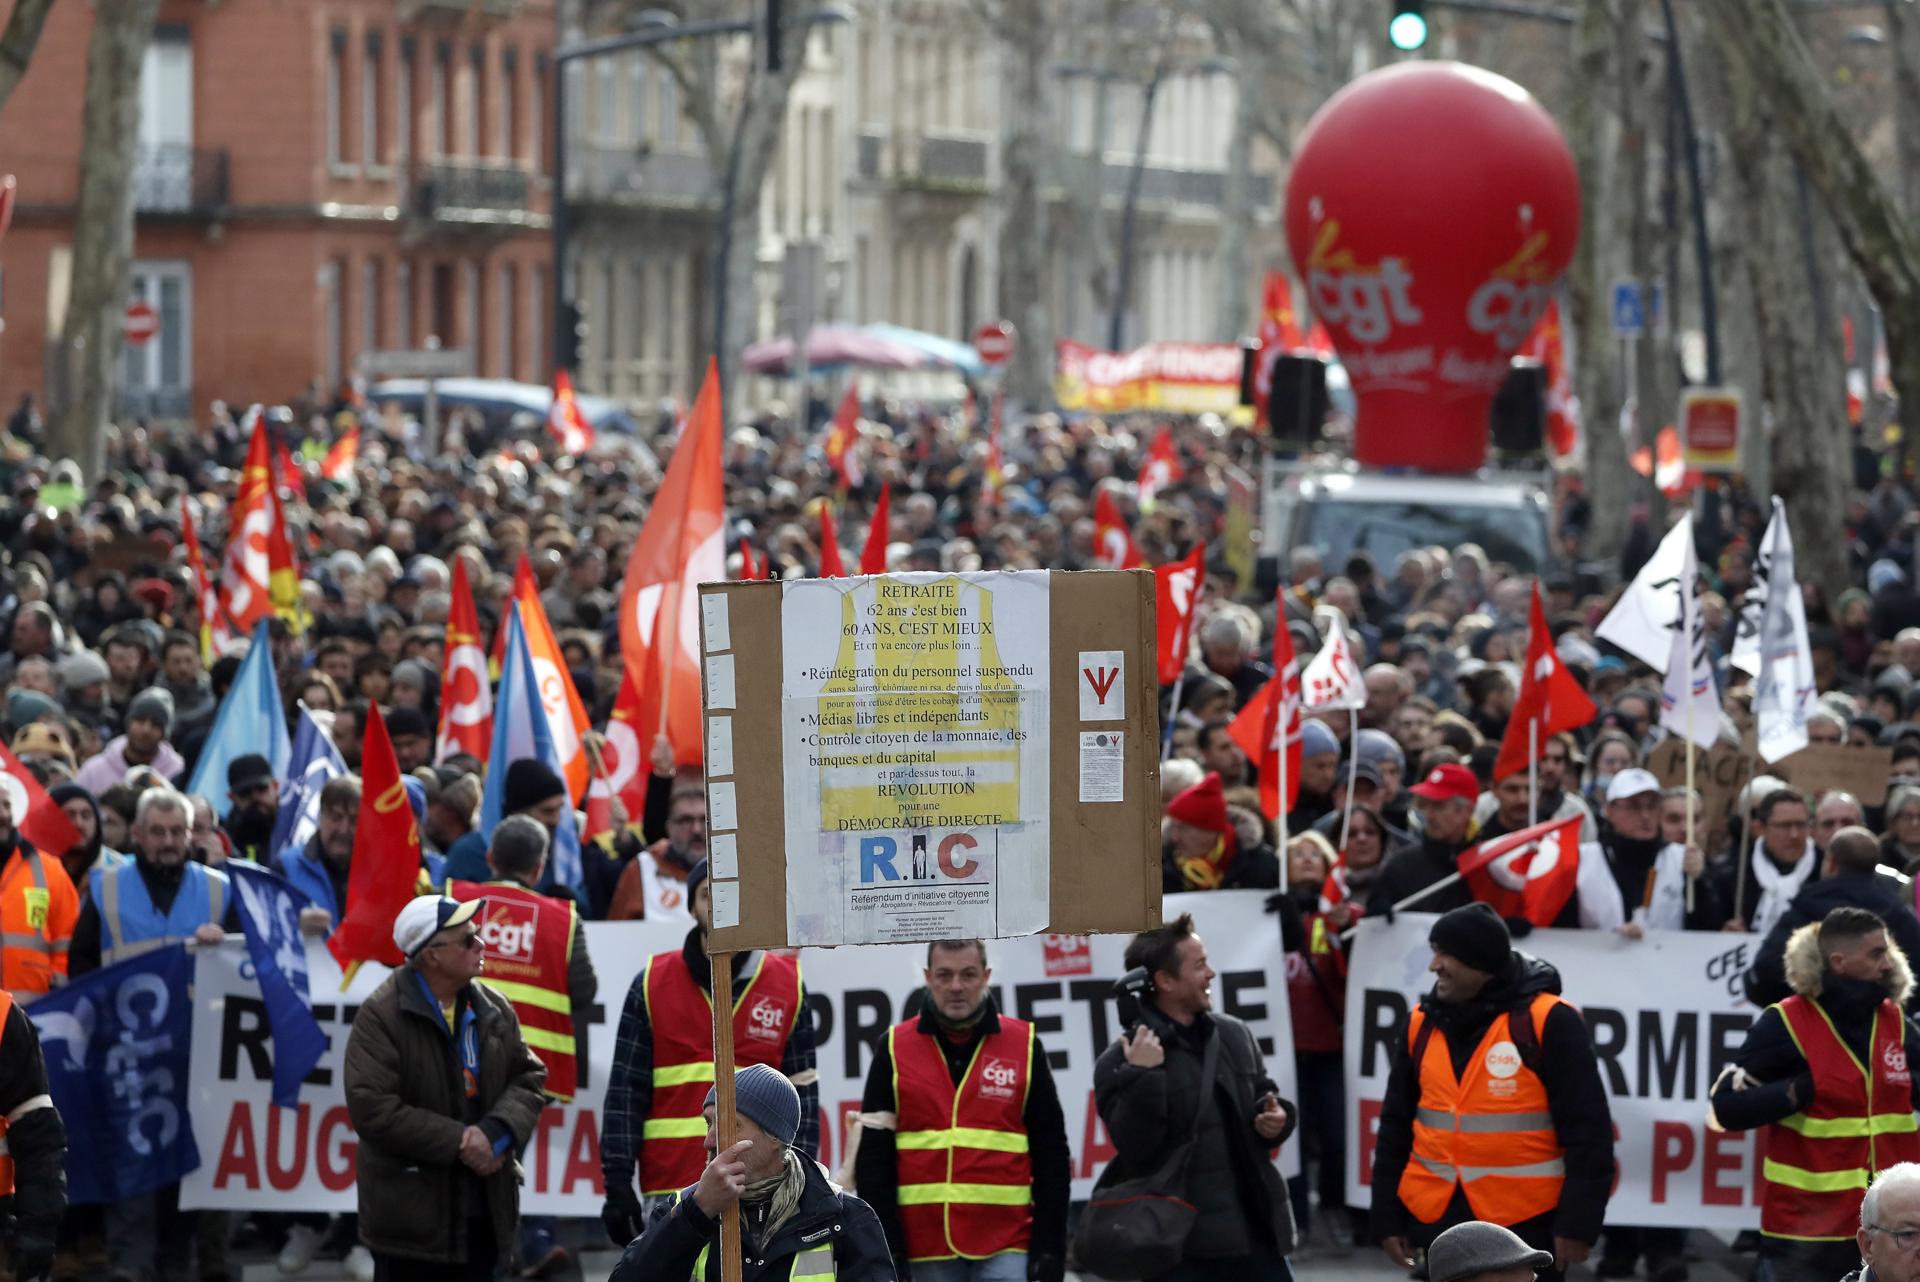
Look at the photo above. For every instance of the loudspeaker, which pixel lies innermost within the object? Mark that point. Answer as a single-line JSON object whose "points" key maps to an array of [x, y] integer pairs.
{"points": [[1519, 412], [1297, 402]]}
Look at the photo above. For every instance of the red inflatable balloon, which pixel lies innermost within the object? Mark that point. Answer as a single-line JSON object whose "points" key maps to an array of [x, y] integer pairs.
{"points": [[1431, 208]]}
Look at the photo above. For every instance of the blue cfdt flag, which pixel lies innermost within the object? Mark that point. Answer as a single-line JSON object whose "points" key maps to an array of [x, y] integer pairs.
{"points": [[251, 719], [117, 1044], [520, 730], [312, 762], [270, 916]]}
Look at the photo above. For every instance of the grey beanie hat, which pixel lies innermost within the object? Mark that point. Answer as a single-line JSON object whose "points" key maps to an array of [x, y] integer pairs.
{"points": [[763, 1093], [1468, 1250], [153, 704], [27, 706], [81, 669]]}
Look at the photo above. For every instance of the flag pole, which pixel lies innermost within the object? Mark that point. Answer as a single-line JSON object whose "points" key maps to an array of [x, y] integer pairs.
{"points": [[1173, 717], [723, 1104], [1353, 771], [1280, 721], [1410, 900], [1533, 770], [1690, 789], [1740, 856]]}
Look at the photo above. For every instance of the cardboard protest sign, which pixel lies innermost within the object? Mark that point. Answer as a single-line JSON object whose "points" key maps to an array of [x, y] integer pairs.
{"points": [[1719, 773], [1822, 767], [931, 756]]}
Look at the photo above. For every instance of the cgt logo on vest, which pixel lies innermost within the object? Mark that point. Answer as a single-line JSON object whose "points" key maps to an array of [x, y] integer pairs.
{"points": [[766, 1021], [1503, 1065], [1895, 1060], [997, 1077], [506, 931], [956, 857]]}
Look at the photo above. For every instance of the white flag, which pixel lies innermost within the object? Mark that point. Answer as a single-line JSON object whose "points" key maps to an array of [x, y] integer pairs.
{"points": [[1689, 702], [1776, 651], [1641, 622], [1332, 680]]}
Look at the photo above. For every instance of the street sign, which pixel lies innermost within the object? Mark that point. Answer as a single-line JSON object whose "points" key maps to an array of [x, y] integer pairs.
{"points": [[994, 342], [141, 322], [1629, 309], [423, 362], [1710, 428]]}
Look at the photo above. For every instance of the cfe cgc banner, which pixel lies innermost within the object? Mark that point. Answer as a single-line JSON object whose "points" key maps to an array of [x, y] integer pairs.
{"points": [[254, 1156], [1665, 1014]]}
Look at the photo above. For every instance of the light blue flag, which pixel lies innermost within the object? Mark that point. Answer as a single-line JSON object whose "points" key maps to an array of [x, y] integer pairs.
{"points": [[312, 763], [520, 730], [270, 916], [250, 720]]}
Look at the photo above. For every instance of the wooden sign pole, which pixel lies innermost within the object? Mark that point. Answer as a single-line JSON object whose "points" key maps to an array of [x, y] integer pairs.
{"points": [[723, 1103]]}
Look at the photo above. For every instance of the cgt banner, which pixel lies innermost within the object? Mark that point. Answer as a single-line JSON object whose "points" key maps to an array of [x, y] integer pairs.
{"points": [[1665, 1014], [258, 1157]]}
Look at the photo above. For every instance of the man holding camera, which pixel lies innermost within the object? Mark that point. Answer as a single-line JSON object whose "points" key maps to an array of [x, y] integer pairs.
{"points": [[1150, 1091]]}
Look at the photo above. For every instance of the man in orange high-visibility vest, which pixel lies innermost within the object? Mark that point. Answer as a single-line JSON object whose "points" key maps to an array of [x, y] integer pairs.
{"points": [[1828, 1073], [963, 1154], [1494, 1109]]}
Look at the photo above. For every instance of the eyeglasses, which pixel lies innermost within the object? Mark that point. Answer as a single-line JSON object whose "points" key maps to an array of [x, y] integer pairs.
{"points": [[469, 941], [1905, 1239]]}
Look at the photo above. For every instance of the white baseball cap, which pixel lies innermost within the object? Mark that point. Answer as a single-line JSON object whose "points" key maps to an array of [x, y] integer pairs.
{"points": [[1631, 783], [426, 917]]}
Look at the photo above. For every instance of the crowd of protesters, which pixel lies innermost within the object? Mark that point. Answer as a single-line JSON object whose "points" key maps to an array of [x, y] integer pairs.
{"points": [[108, 697]]}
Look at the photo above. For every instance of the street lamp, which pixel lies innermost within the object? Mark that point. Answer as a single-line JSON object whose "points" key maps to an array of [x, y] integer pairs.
{"points": [[653, 27]]}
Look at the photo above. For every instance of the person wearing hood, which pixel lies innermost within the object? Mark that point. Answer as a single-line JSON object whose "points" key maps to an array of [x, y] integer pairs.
{"points": [[794, 1221], [922, 1081], [1825, 1072], [1201, 851], [254, 792], [1528, 1142], [92, 850], [1780, 864], [663, 1054], [1850, 877], [149, 721], [38, 910]]}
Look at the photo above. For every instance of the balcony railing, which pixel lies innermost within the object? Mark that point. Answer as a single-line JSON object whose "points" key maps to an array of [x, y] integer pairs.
{"points": [[955, 160], [178, 178], [625, 176], [472, 193], [453, 11]]}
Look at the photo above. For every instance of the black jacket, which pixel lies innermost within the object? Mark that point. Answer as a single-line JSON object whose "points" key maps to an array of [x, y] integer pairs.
{"points": [[1575, 1096], [1149, 1112], [877, 1173], [1253, 868], [1887, 897], [37, 1138], [1414, 868], [680, 1230]]}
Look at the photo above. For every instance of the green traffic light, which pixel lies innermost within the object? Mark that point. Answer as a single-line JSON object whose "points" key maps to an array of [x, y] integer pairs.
{"points": [[1407, 31]]}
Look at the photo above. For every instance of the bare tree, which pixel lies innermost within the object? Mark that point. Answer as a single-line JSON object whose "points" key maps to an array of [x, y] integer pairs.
{"points": [[102, 229], [1761, 35], [18, 41], [1022, 28]]}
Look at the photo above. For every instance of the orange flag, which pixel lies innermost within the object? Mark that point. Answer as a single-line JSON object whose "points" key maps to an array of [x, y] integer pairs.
{"points": [[831, 566], [338, 464], [214, 634], [386, 856], [873, 557], [523, 584], [566, 714], [258, 577], [843, 435], [564, 419], [466, 696], [682, 545]]}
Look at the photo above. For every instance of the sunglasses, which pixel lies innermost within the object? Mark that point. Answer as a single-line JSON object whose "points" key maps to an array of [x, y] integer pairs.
{"points": [[469, 941]]}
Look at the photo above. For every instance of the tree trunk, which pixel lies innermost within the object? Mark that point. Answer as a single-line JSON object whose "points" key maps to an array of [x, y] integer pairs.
{"points": [[1024, 275], [1761, 35], [102, 230], [1236, 215], [18, 40], [1610, 154], [1903, 28]]}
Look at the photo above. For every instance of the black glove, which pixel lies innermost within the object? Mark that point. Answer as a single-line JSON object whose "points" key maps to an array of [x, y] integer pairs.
{"points": [[623, 1216], [1274, 903], [1046, 1268], [31, 1257]]}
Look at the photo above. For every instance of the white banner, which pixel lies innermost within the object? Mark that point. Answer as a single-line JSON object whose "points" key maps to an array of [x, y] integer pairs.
{"points": [[257, 1157], [1665, 1013]]}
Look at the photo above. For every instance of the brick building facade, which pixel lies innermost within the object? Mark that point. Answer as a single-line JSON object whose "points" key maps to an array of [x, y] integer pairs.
{"points": [[315, 179]]}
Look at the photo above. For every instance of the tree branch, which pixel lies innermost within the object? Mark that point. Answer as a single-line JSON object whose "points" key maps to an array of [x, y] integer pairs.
{"points": [[17, 42]]}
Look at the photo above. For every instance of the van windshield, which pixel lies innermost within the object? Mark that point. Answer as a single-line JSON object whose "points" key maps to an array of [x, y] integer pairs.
{"points": [[1515, 535]]}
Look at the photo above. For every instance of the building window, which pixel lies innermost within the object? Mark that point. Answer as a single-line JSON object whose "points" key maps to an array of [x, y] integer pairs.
{"points": [[504, 298], [470, 309], [337, 98], [473, 124], [539, 324], [333, 292], [403, 123], [403, 304], [157, 376], [370, 296], [609, 293], [642, 299], [606, 120], [509, 96], [442, 91], [669, 112], [373, 83], [537, 116]]}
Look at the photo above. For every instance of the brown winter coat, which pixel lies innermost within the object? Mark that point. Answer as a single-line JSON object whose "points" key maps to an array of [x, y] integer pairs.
{"points": [[408, 1103]]}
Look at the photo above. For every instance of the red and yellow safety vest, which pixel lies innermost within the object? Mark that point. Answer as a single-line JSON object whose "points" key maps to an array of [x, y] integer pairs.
{"points": [[1820, 1160], [38, 909], [1490, 1132], [527, 939], [966, 1182], [673, 1148]]}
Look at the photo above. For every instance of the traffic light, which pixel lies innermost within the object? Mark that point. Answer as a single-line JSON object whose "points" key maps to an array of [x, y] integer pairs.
{"points": [[572, 338], [1407, 29]]}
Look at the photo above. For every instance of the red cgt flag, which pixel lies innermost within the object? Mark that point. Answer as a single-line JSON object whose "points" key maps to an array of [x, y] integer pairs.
{"points": [[682, 545], [1281, 729], [873, 556], [1549, 698], [36, 816], [1177, 587], [843, 440], [831, 565], [1530, 873], [564, 420], [386, 856], [342, 455], [623, 756], [524, 586], [466, 696], [1112, 542]]}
